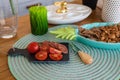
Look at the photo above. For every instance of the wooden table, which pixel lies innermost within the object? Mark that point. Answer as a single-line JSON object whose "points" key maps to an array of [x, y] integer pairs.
{"points": [[24, 29]]}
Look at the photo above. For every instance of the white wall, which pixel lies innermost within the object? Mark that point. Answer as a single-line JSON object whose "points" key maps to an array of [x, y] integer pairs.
{"points": [[23, 3]]}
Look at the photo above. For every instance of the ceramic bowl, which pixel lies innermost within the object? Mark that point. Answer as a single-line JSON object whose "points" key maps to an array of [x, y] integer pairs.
{"points": [[93, 43]]}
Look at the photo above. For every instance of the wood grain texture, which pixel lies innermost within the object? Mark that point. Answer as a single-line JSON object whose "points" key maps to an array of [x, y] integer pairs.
{"points": [[24, 29]]}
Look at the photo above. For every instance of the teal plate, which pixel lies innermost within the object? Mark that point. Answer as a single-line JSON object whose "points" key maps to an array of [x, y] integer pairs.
{"points": [[106, 65], [93, 43]]}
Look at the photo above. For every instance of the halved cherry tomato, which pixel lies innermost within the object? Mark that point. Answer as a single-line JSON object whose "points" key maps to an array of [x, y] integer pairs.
{"points": [[56, 57], [33, 47], [53, 50], [41, 55]]}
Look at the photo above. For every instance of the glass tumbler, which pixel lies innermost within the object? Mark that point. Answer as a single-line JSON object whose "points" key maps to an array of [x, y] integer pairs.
{"points": [[8, 18], [90, 3], [38, 20]]}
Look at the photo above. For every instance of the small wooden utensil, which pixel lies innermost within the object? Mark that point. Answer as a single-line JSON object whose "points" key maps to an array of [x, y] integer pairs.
{"points": [[86, 58]]}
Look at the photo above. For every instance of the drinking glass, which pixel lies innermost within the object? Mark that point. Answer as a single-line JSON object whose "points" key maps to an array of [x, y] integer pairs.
{"points": [[8, 18], [90, 3]]}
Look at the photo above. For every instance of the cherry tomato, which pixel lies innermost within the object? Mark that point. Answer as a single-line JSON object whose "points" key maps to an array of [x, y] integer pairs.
{"points": [[56, 57], [33, 47], [53, 50], [41, 55], [44, 48]]}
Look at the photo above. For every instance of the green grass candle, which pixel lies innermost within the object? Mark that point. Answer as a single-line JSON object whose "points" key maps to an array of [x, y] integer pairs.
{"points": [[38, 20]]}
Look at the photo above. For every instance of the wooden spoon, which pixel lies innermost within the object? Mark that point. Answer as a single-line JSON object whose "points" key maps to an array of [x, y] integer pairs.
{"points": [[86, 58]]}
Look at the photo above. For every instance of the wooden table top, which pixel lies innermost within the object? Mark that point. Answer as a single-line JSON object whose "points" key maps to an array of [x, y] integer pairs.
{"points": [[24, 29]]}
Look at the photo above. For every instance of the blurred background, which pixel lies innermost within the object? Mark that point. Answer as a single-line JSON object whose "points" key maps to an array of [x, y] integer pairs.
{"points": [[24, 3]]}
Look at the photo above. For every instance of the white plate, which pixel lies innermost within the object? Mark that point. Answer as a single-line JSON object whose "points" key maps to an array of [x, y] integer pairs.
{"points": [[75, 13]]}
